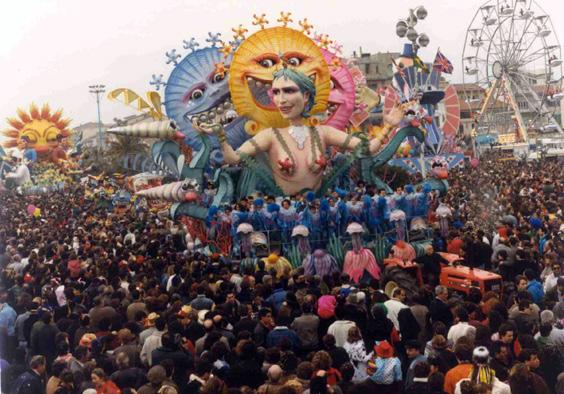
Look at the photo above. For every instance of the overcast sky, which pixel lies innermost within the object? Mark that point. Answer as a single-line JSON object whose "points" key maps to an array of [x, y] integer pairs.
{"points": [[51, 50]]}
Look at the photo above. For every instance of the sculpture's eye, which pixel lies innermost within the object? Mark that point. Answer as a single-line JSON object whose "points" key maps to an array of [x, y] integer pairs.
{"points": [[197, 94], [218, 77], [267, 63], [294, 61]]}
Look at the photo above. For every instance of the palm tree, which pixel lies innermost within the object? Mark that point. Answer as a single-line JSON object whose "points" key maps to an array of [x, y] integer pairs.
{"points": [[121, 145]]}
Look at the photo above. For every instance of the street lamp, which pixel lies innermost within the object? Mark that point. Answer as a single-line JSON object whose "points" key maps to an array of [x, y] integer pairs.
{"points": [[97, 90]]}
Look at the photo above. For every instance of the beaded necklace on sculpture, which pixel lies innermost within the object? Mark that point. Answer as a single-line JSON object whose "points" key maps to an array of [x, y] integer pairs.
{"points": [[298, 135]]}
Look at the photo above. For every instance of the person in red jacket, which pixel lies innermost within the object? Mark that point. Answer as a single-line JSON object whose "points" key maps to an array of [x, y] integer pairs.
{"points": [[102, 383]]}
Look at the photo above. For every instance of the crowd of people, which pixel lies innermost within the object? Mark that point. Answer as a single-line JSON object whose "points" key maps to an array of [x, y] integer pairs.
{"points": [[93, 301]]}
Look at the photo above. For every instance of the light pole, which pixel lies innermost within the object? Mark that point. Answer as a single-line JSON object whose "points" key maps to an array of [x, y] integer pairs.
{"points": [[97, 90], [406, 28]]}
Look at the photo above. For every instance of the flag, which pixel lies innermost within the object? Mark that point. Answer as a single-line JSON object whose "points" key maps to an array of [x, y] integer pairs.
{"points": [[418, 63], [442, 63]]}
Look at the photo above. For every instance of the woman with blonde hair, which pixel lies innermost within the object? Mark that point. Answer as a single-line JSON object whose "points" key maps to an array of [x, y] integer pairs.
{"points": [[322, 361], [357, 353]]}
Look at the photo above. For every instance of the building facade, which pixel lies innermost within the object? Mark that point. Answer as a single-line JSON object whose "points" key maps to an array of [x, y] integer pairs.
{"points": [[378, 67]]}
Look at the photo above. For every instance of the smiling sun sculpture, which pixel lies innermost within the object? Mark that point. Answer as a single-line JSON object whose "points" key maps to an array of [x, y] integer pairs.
{"points": [[40, 131], [254, 64]]}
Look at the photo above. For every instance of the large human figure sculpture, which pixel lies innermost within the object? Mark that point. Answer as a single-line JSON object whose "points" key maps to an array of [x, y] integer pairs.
{"points": [[297, 154]]}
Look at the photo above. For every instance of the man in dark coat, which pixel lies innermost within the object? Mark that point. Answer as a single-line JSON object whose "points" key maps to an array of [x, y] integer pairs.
{"points": [[420, 383], [183, 361], [43, 335], [431, 263], [32, 381], [438, 309]]}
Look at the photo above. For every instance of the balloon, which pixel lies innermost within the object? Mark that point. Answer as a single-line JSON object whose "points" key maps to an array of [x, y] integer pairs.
{"points": [[31, 209], [474, 162], [404, 149], [37, 212]]}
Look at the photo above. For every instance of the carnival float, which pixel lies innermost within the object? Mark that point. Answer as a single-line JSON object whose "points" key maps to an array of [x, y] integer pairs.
{"points": [[261, 137], [36, 158]]}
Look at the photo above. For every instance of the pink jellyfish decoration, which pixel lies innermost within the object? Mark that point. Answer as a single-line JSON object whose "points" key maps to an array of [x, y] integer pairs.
{"points": [[397, 216], [443, 213], [244, 230], [301, 233], [359, 259], [320, 263]]}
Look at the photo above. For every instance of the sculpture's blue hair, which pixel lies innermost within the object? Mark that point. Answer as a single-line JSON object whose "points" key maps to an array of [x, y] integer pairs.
{"points": [[305, 84]]}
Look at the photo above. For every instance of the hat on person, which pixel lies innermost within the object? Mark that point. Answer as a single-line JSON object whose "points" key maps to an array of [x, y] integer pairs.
{"points": [[150, 320], [480, 355], [202, 316], [184, 311], [87, 339], [383, 349]]}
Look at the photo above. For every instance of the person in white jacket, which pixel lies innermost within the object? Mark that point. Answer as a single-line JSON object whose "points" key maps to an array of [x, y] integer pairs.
{"points": [[152, 342], [357, 354], [395, 305], [20, 176], [340, 328]]}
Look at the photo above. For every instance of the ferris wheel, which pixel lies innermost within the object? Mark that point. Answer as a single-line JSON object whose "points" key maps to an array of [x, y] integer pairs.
{"points": [[511, 52]]}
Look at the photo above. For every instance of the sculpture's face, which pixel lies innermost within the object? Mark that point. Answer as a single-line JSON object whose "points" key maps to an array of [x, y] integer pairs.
{"points": [[255, 62], [342, 96], [40, 130], [439, 162], [41, 135], [439, 167], [197, 91], [196, 88], [288, 98]]}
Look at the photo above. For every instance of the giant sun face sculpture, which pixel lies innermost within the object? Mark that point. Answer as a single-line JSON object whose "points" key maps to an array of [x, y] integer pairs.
{"points": [[39, 130], [254, 63]]}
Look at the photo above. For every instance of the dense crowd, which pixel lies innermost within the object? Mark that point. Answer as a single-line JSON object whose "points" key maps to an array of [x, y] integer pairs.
{"points": [[96, 301]]}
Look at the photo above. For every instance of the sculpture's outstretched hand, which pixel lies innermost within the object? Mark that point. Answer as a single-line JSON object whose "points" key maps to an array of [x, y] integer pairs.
{"points": [[394, 117]]}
